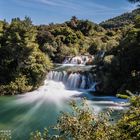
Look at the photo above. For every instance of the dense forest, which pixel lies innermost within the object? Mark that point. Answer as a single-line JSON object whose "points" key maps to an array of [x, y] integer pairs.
{"points": [[122, 20], [22, 64], [27, 51]]}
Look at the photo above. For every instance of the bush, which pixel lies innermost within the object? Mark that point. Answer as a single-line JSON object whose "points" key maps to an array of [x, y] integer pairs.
{"points": [[20, 85], [22, 65], [85, 125]]}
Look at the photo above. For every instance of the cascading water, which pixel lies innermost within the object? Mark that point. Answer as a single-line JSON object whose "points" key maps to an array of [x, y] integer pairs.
{"points": [[78, 59], [73, 80], [38, 109]]}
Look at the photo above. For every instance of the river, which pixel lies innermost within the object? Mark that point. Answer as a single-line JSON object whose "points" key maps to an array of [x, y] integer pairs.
{"points": [[22, 114]]}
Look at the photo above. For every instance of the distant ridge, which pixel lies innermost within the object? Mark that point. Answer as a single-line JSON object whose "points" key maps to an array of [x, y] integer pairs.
{"points": [[120, 21]]}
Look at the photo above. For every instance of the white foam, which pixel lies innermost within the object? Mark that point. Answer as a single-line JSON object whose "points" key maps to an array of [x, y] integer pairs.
{"points": [[73, 80], [50, 91]]}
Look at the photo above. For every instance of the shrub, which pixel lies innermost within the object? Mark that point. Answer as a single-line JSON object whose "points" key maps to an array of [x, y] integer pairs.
{"points": [[83, 124]]}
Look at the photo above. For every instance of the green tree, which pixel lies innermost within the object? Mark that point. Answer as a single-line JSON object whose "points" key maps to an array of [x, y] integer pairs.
{"points": [[20, 56], [83, 124], [137, 21]]}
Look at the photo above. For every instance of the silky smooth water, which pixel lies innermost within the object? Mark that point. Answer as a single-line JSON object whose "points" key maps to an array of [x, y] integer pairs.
{"points": [[23, 114], [32, 111]]}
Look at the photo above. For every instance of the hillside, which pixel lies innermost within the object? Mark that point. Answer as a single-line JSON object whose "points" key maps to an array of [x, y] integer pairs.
{"points": [[120, 21], [75, 37], [21, 73], [120, 68]]}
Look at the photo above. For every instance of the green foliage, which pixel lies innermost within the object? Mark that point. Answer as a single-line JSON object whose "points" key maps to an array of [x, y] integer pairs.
{"points": [[81, 124], [108, 59], [122, 96], [36, 65], [122, 72], [122, 20], [93, 48], [84, 124], [39, 136], [137, 21], [128, 127], [74, 36], [25, 49], [20, 85], [22, 64]]}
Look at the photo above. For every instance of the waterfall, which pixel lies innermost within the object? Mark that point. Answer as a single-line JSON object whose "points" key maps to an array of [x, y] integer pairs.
{"points": [[83, 83], [73, 80], [78, 59]]}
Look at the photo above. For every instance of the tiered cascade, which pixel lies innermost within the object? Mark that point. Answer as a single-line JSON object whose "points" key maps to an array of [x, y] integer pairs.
{"points": [[73, 80]]}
